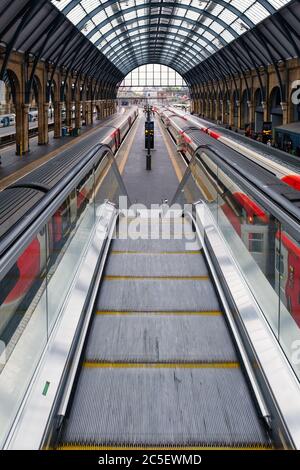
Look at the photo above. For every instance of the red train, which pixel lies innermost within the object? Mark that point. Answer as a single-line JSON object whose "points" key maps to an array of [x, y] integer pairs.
{"points": [[20, 284], [248, 219], [287, 266], [261, 156]]}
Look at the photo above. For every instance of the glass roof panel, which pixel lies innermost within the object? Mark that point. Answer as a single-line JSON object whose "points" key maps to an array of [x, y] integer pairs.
{"points": [[61, 4], [181, 33]]}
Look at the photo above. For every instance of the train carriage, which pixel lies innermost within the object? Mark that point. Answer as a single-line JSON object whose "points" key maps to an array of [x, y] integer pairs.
{"points": [[21, 283]]}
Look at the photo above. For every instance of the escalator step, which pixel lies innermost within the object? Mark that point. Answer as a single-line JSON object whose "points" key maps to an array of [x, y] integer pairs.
{"points": [[157, 295], [163, 407], [163, 338], [154, 245], [136, 264]]}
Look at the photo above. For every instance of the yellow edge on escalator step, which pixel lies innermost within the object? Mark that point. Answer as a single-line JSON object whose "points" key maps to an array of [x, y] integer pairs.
{"points": [[136, 252], [161, 278], [208, 447], [137, 312], [161, 365]]}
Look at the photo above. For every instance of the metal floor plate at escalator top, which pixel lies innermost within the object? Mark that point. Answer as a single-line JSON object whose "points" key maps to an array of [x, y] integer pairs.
{"points": [[159, 367]]}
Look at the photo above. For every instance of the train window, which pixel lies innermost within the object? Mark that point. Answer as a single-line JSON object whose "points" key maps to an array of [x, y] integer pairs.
{"points": [[9, 282], [256, 242]]}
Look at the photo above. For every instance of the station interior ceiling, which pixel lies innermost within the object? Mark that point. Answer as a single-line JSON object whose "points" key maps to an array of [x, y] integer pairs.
{"points": [[201, 40]]}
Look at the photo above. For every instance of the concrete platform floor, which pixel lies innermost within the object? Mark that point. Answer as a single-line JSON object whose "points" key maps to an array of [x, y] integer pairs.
{"points": [[150, 187], [12, 163]]}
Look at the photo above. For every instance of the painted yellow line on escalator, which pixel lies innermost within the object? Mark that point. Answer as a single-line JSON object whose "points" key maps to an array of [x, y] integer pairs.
{"points": [[161, 365], [137, 252], [212, 313], [153, 278], [166, 447]]}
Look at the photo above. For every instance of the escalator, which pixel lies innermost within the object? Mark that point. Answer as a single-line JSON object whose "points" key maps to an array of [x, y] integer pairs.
{"points": [[159, 367]]}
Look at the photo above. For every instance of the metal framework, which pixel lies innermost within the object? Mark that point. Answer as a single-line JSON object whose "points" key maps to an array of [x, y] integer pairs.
{"points": [[37, 28], [127, 31], [153, 75], [204, 41]]}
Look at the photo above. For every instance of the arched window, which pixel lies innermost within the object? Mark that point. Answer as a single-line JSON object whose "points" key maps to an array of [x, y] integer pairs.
{"points": [[153, 75]]}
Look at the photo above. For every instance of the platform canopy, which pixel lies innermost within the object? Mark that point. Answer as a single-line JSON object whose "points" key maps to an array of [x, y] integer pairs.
{"points": [[180, 33]]}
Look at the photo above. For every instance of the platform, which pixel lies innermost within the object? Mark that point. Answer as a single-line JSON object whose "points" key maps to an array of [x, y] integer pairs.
{"points": [[14, 166], [154, 186]]}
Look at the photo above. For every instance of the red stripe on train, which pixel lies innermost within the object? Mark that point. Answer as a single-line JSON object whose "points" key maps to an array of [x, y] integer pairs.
{"points": [[289, 244], [214, 134], [292, 180], [29, 268], [252, 209]]}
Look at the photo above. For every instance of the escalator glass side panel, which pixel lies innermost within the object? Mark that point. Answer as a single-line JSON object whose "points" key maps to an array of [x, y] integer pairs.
{"points": [[267, 254], [34, 289]]}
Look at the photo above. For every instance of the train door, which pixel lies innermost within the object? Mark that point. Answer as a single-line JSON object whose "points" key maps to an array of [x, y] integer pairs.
{"points": [[287, 267], [117, 140], [281, 270], [255, 238], [73, 207], [61, 223], [44, 248]]}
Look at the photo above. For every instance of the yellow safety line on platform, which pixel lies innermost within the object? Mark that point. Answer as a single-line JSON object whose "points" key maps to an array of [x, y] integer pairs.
{"points": [[161, 365], [161, 278], [137, 447], [212, 313], [137, 252], [176, 167], [128, 147], [14, 177]]}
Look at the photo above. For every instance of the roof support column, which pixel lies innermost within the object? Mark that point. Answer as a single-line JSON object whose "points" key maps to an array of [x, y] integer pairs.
{"points": [[98, 107], [21, 110], [43, 108], [57, 119], [230, 108], [209, 111], [198, 105], [105, 113], [102, 109], [92, 106], [68, 102], [201, 104], [78, 122], [250, 112], [223, 111], [218, 110], [22, 127], [69, 105], [193, 106], [83, 110], [238, 106], [265, 109], [285, 113], [88, 113]]}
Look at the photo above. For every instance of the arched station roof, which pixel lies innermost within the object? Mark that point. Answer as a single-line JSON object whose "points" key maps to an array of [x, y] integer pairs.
{"points": [[180, 33], [105, 39]]}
